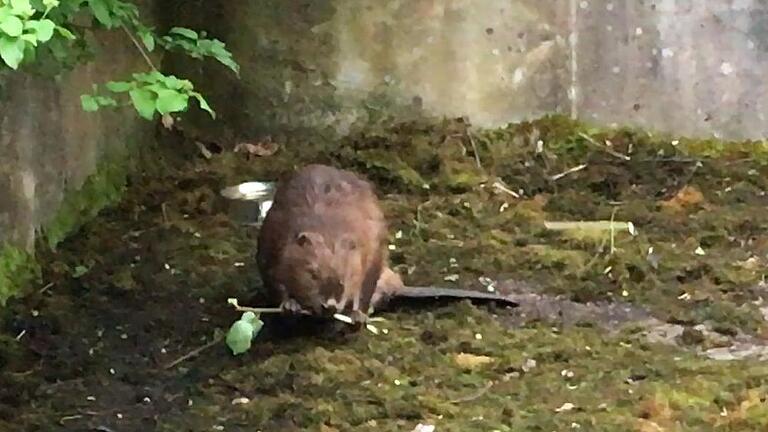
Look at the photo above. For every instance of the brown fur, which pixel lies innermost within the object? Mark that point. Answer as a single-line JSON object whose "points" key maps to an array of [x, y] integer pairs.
{"points": [[322, 243], [389, 285], [322, 248]]}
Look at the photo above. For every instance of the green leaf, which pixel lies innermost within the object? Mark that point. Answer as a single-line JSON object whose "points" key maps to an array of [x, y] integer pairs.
{"points": [[66, 33], [29, 37], [242, 332], [119, 86], [156, 88], [204, 104], [89, 103], [11, 51], [22, 7], [230, 63], [80, 271], [126, 11], [12, 26], [172, 82], [169, 101], [50, 4], [218, 50], [100, 10], [189, 47], [44, 30], [177, 84], [150, 77], [30, 53], [106, 101], [144, 102], [239, 337], [148, 39], [191, 34]]}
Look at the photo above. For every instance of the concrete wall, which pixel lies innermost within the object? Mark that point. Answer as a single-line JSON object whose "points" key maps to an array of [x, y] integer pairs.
{"points": [[49, 146], [686, 67], [496, 61], [325, 65]]}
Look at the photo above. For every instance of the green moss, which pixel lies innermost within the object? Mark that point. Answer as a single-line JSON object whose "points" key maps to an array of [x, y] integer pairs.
{"points": [[179, 259], [17, 270], [104, 187], [539, 378], [100, 189], [568, 136]]}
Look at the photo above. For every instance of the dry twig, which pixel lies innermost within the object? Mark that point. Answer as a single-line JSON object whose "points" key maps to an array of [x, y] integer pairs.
{"points": [[603, 147], [568, 171], [216, 339], [476, 395]]}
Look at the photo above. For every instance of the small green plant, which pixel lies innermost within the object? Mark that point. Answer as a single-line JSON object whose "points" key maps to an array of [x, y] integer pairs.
{"points": [[17, 269], [22, 29], [242, 332], [48, 27], [198, 46], [150, 93]]}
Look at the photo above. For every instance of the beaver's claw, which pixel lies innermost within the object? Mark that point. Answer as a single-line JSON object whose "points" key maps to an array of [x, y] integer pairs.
{"points": [[358, 317], [291, 307]]}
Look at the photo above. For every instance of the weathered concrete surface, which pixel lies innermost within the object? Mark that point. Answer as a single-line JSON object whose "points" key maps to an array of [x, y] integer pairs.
{"points": [[325, 65], [685, 67], [495, 61], [286, 61], [688, 67], [49, 145]]}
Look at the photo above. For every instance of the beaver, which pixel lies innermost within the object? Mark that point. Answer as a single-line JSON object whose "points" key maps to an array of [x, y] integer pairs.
{"points": [[322, 248]]}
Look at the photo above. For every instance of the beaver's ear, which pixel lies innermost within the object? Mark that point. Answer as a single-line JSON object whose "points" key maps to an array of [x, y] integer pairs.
{"points": [[302, 239]]}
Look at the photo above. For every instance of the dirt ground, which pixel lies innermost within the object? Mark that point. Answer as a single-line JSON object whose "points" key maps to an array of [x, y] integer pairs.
{"points": [[660, 330]]}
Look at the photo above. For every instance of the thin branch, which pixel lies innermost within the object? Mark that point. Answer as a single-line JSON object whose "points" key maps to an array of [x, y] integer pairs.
{"points": [[45, 288], [603, 147], [498, 184], [676, 160], [218, 338], [568, 171], [474, 150], [236, 305], [476, 395], [613, 231], [138, 46], [594, 259], [257, 310]]}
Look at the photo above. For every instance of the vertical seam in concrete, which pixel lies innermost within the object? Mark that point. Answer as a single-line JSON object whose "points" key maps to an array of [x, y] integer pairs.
{"points": [[573, 38]]}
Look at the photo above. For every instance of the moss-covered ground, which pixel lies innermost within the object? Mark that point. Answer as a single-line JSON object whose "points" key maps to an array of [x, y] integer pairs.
{"points": [[119, 337]]}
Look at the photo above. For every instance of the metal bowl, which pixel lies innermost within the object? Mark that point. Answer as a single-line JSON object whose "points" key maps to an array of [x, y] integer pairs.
{"points": [[249, 202]]}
